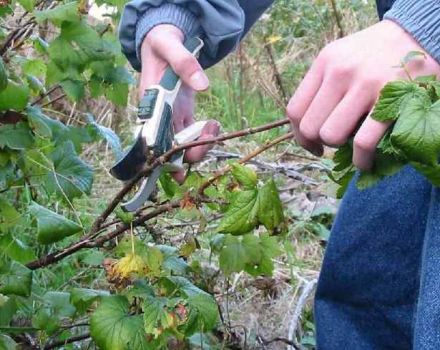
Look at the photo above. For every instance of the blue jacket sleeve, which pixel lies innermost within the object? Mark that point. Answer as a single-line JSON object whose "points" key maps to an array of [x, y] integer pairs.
{"points": [[420, 18], [221, 23]]}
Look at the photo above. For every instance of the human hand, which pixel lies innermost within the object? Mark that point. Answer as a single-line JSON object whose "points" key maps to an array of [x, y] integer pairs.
{"points": [[163, 47], [343, 85]]}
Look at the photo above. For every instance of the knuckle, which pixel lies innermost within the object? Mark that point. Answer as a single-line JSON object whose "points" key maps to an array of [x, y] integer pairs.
{"points": [[340, 72], [364, 143], [186, 65], [332, 138], [153, 38], [369, 84]]}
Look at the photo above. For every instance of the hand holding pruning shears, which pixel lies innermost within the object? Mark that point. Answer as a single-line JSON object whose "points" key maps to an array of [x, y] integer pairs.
{"points": [[170, 73]]}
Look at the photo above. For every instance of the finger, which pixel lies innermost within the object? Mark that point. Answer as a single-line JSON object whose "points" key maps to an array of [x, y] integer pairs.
{"points": [[195, 154], [153, 69], [184, 108], [301, 101], [184, 64], [366, 141], [343, 121], [315, 148], [323, 104], [305, 93], [179, 176]]}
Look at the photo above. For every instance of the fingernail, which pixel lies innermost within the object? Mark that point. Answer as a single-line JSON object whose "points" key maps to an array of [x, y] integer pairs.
{"points": [[199, 81]]}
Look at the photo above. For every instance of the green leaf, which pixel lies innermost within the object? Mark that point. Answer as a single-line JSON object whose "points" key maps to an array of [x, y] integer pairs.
{"points": [[35, 84], [184, 285], [169, 186], [270, 209], [233, 255], [156, 315], [52, 227], [16, 249], [16, 281], [250, 253], [241, 215], [244, 175], [343, 158], [7, 343], [9, 216], [392, 97], [417, 131], [108, 135], [78, 45], [118, 94], [45, 320], [59, 304], [65, 12], [74, 89], [16, 136], [39, 122], [28, 5], [384, 165], [112, 326], [154, 259], [7, 311], [15, 96], [261, 262], [83, 298], [270, 245], [3, 75], [35, 67], [207, 311], [65, 174]]}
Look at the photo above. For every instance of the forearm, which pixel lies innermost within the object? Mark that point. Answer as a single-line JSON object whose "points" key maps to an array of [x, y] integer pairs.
{"points": [[222, 23], [422, 20]]}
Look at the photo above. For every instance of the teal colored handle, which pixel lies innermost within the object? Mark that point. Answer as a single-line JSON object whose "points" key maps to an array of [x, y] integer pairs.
{"points": [[170, 79]]}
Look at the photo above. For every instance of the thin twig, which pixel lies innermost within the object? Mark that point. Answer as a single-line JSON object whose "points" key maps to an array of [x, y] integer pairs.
{"points": [[54, 100], [245, 159], [337, 16], [276, 72], [61, 343], [47, 93]]}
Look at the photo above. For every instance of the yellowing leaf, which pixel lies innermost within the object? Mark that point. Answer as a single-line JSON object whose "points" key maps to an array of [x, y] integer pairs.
{"points": [[130, 264]]}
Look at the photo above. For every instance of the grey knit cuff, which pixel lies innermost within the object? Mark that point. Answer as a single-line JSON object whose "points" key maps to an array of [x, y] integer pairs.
{"points": [[421, 18], [168, 13]]}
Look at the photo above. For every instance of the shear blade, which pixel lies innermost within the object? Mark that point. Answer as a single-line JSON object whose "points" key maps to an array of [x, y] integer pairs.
{"points": [[133, 161], [144, 193]]}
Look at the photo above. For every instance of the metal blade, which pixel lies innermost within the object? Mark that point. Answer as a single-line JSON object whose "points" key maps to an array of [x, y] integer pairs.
{"points": [[144, 193], [133, 161]]}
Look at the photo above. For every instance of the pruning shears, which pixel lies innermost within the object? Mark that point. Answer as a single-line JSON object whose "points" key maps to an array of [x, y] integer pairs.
{"points": [[154, 134]]}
